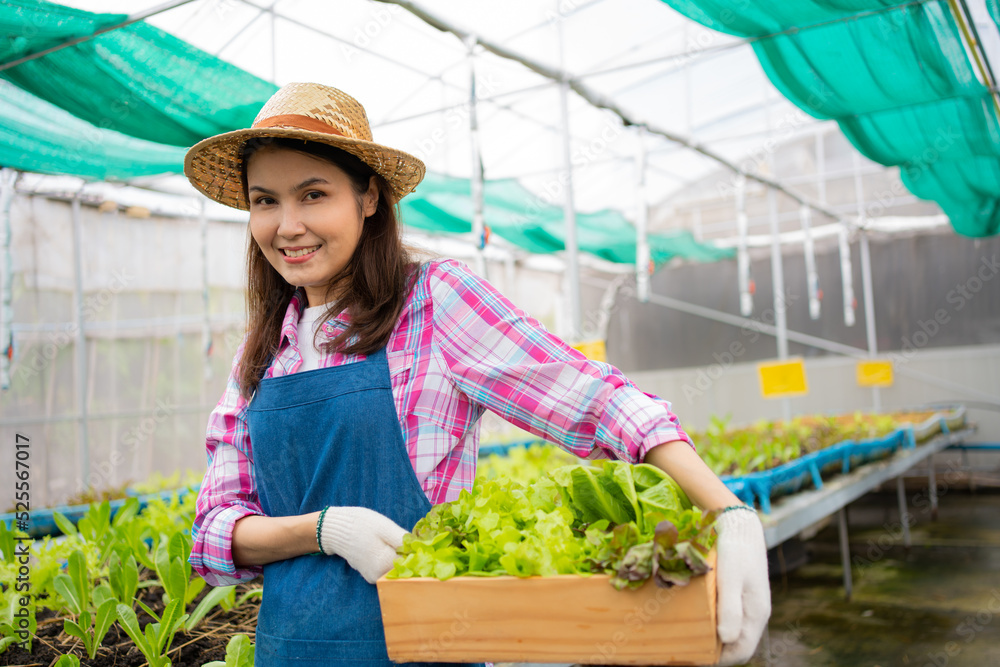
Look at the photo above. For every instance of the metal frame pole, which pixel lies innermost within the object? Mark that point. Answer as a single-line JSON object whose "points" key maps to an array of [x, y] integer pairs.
{"points": [[809, 252], [904, 514], [742, 251], [932, 488], [846, 275], [869, 292], [820, 149], [778, 280], [866, 275], [478, 222], [642, 222], [274, 44], [81, 344], [569, 210], [206, 325], [845, 551], [7, 179]]}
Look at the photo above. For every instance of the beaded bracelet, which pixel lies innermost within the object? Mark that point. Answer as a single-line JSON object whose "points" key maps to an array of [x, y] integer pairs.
{"points": [[319, 530], [736, 507]]}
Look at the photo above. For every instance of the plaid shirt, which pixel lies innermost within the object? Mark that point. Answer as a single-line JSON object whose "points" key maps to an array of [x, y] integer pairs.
{"points": [[459, 348]]}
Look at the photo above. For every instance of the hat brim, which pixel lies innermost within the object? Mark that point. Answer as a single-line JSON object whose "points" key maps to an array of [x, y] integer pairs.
{"points": [[213, 165]]}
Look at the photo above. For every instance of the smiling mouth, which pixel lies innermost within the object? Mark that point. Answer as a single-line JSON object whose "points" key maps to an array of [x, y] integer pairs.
{"points": [[298, 253]]}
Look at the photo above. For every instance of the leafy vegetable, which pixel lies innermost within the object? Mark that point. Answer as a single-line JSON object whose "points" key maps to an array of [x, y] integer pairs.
{"points": [[768, 444], [632, 522], [524, 464]]}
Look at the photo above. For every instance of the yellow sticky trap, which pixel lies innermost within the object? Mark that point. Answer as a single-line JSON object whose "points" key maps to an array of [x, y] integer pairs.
{"points": [[783, 378], [593, 350], [874, 373]]}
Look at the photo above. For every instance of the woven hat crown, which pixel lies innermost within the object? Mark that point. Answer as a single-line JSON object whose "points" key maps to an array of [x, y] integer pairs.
{"points": [[323, 103]]}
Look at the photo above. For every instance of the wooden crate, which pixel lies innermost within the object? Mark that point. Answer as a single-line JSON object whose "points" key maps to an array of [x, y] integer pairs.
{"points": [[567, 619]]}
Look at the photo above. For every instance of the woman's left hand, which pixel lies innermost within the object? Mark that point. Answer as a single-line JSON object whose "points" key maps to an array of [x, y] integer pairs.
{"points": [[744, 592]]}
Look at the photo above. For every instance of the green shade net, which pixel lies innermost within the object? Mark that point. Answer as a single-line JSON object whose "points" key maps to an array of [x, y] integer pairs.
{"points": [[29, 27], [37, 136], [896, 79], [444, 204], [137, 80]]}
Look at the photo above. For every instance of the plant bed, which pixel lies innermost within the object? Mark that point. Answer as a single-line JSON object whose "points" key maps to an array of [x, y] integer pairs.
{"points": [[119, 591], [809, 470], [203, 644]]}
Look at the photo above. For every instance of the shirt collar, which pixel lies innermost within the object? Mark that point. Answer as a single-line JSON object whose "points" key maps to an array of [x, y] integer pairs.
{"points": [[290, 324]]}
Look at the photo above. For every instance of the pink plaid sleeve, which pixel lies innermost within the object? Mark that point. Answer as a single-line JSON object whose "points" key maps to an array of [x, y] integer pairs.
{"points": [[507, 362], [228, 492]]}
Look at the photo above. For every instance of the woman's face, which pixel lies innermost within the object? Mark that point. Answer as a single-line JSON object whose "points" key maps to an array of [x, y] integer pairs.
{"points": [[306, 216]]}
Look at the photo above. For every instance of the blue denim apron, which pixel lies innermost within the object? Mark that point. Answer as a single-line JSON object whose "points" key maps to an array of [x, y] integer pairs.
{"points": [[329, 436]]}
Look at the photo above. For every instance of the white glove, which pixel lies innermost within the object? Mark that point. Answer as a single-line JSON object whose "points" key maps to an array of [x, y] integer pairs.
{"points": [[364, 538], [744, 592]]}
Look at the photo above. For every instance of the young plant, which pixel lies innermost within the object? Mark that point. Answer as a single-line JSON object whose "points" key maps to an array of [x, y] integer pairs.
{"points": [[11, 614], [249, 595], [173, 569], [92, 636], [75, 590], [135, 535], [95, 526], [154, 640], [123, 574], [8, 542], [65, 525], [222, 596], [239, 653]]}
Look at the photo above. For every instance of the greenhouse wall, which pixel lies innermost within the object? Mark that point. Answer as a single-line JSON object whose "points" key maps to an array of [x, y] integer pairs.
{"points": [[149, 383], [932, 290]]}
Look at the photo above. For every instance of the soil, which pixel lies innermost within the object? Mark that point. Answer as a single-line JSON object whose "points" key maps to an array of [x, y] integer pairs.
{"points": [[205, 643]]}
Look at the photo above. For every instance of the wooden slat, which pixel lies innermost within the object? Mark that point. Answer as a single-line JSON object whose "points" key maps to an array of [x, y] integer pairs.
{"points": [[568, 619]]}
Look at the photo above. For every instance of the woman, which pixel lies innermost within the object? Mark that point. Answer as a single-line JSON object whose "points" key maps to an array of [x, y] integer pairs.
{"points": [[354, 398]]}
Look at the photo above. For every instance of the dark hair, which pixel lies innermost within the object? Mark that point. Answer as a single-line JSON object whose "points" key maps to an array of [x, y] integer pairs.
{"points": [[372, 287]]}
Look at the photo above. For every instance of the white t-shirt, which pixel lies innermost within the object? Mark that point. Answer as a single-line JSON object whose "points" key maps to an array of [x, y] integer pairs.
{"points": [[308, 324]]}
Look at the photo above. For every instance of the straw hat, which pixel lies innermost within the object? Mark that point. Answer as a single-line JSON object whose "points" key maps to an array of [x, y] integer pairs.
{"points": [[304, 111]]}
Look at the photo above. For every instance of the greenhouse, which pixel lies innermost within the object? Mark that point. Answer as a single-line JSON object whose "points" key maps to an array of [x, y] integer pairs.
{"points": [[648, 332]]}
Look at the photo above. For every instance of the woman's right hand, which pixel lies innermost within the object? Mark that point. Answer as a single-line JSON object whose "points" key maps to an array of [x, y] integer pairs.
{"points": [[366, 539]]}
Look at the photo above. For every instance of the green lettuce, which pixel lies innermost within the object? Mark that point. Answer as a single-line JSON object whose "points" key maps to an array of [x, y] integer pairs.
{"points": [[633, 523]]}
